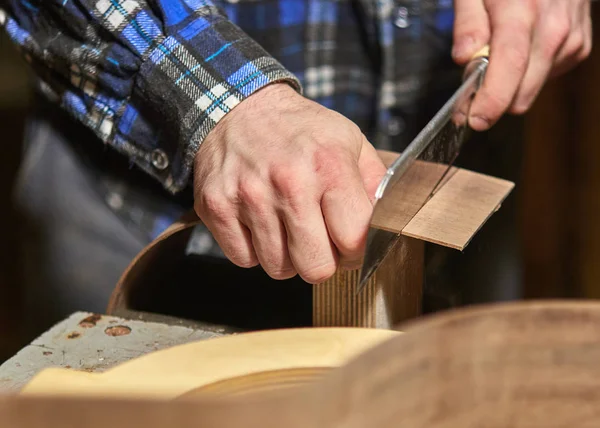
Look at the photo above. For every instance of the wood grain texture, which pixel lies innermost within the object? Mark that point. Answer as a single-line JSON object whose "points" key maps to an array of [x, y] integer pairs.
{"points": [[548, 202], [517, 365], [462, 203], [560, 203], [393, 294], [458, 209], [404, 200], [584, 185]]}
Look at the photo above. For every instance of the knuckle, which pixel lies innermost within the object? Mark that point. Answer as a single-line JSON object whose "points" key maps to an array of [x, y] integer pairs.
{"points": [[331, 166], [276, 263], [560, 28], [514, 38], [586, 51], [521, 106], [235, 249], [351, 245], [293, 187], [525, 100], [238, 258], [286, 180], [213, 204], [252, 193], [575, 44], [494, 103]]}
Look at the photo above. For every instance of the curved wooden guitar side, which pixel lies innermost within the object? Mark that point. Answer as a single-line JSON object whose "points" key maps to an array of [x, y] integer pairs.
{"points": [[531, 364]]}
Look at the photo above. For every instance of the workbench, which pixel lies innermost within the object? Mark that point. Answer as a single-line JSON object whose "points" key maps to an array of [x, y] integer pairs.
{"points": [[94, 343]]}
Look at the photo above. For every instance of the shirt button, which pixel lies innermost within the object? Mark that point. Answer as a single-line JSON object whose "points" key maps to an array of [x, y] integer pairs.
{"points": [[160, 160], [114, 200], [396, 126], [402, 20]]}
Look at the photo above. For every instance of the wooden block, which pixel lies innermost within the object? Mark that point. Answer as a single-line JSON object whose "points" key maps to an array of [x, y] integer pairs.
{"points": [[462, 203], [393, 294]]}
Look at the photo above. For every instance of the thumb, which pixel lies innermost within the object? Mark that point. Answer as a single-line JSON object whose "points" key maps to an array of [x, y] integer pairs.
{"points": [[471, 29]]}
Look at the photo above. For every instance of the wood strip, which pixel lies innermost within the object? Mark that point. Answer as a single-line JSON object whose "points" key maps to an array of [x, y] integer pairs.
{"points": [[464, 200], [403, 201], [457, 211]]}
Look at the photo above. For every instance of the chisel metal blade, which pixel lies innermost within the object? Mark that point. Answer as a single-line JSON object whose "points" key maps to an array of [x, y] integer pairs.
{"points": [[428, 158]]}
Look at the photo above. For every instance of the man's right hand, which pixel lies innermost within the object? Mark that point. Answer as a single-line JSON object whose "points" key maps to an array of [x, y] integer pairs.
{"points": [[287, 183]]}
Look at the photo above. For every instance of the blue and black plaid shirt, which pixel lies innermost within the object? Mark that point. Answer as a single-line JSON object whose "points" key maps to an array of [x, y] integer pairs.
{"points": [[151, 78]]}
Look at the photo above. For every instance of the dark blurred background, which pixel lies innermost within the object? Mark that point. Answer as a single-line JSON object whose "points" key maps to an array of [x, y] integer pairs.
{"points": [[553, 213], [14, 101]]}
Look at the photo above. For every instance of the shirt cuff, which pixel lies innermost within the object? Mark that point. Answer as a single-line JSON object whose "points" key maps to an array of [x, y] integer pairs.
{"points": [[187, 83]]}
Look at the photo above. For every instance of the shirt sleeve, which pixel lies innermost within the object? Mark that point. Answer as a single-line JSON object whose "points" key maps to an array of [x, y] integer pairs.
{"points": [[151, 78]]}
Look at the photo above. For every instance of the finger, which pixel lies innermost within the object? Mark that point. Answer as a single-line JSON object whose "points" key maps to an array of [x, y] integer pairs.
{"points": [[270, 243], [371, 168], [510, 45], [347, 210], [579, 45], [574, 42], [587, 32], [269, 238], [312, 253], [471, 29], [552, 32], [234, 239]]}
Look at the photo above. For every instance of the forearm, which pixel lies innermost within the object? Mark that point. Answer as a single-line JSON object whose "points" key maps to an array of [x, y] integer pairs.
{"points": [[150, 78]]}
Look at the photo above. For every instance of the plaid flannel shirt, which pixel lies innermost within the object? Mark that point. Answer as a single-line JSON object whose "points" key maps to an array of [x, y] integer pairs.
{"points": [[151, 78]]}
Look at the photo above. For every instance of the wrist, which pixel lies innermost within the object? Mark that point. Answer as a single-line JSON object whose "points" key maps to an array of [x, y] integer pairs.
{"points": [[267, 97]]}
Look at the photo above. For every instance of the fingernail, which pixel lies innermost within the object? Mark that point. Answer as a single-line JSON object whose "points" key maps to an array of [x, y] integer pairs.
{"points": [[479, 123]]}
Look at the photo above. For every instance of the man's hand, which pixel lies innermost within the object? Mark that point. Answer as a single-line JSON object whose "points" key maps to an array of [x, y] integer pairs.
{"points": [[530, 41], [287, 183]]}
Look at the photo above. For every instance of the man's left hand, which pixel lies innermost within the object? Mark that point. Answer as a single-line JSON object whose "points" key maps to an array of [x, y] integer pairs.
{"points": [[530, 41]]}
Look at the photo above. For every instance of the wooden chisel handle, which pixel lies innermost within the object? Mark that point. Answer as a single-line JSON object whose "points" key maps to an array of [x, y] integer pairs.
{"points": [[484, 52]]}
